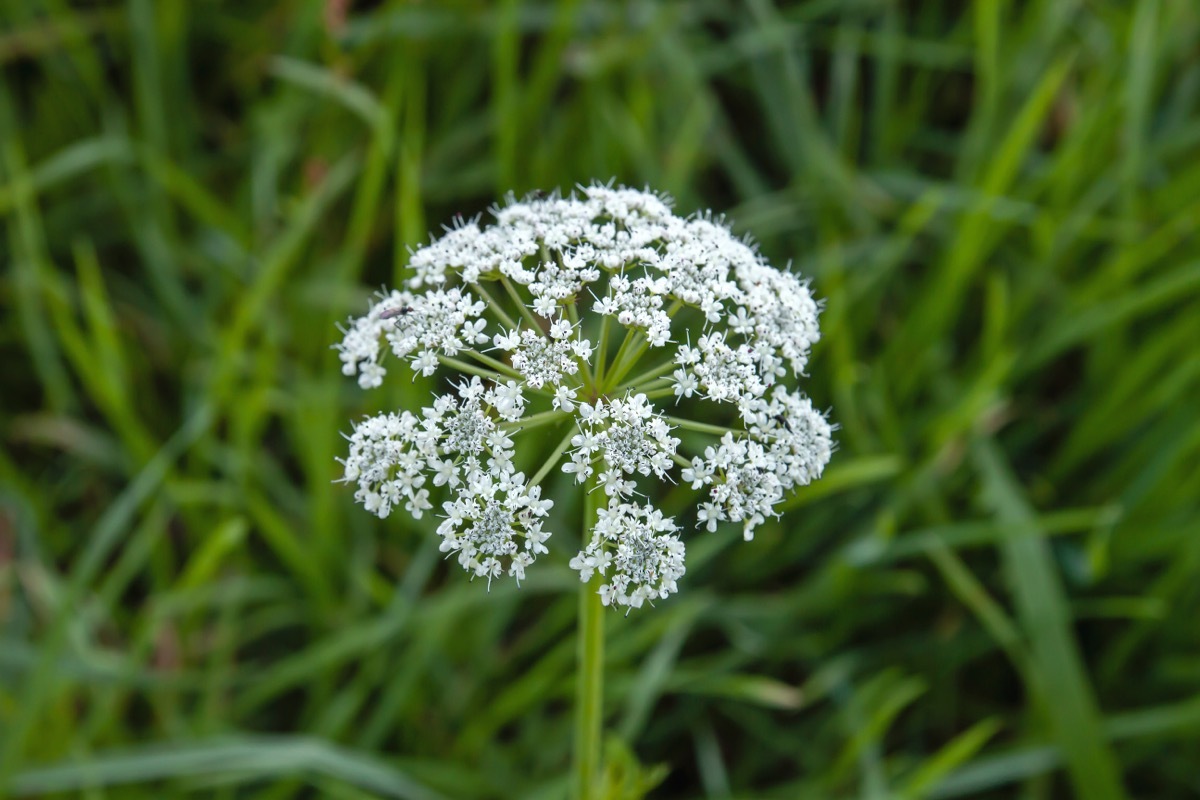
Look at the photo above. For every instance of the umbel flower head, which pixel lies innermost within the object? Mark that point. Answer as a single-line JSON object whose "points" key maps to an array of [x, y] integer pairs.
{"points": [[608, 318]]}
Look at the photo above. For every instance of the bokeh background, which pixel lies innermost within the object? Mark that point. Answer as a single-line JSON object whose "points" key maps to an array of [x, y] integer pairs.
{"points": [[993, 592]]}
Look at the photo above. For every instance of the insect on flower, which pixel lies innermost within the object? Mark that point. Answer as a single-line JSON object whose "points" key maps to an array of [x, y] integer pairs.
{"points": [[397, 311]]}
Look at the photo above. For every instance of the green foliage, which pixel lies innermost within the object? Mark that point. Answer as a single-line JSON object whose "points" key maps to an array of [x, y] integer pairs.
{"points": [[625, 778], [992, 593]]}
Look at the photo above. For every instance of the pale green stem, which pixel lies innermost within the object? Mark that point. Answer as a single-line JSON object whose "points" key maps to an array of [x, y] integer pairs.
{"points": [[496, 364], [589, 687], [585, 370], [494, 306], [632, 357], [471, 369], [601, 351], [702, 427], [649, 377], [585, 375], [629, 360], [552, 459], [657, 393], [525, 312], [715, 430], [573, 312], [626, 343], [648, 386], [535, 420], [633, 348]]}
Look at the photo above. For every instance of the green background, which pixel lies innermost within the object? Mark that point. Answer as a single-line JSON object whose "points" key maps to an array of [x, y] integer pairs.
{"points": [[993, 592]]}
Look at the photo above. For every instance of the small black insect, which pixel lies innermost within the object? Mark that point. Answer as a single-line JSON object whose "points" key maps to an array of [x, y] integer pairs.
{"points": [[398, 311]]}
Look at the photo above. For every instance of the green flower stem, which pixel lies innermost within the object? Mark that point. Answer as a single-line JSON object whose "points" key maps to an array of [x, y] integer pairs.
{"points": [[626, 343], [505, 319], [525, 312], [662, 391], [649, 377], [589, 687], [491, 375], [553, 458], [633, 355], [601, 351], [702, 427], [633, 348], [585, 369], [470, 369], [585, 375], [654, 386], [535, 420], [573, 311], [499, 366]]}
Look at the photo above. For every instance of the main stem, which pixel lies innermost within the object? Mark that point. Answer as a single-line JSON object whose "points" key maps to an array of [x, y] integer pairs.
{"points": [[589, 687]]}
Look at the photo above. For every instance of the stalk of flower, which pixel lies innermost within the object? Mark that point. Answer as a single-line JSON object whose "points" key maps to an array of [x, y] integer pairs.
{"points": [[604, 322]]}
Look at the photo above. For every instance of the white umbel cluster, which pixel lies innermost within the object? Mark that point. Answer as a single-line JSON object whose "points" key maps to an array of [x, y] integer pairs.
{"points": [[577, 314]]}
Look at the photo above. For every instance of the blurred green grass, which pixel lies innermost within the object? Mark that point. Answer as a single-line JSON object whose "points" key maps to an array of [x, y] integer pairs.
{"points": [[992, 593]]}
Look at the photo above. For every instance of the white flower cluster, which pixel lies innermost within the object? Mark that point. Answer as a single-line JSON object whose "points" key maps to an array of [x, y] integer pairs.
{"points": [[543, 360], [787, 445], [421, 326], [629, 437], [639, 546], [574, 314]]}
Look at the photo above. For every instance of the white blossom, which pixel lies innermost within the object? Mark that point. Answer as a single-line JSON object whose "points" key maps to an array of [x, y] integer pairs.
{"points": [[635, 549], [495, 527], [544, 361], [629, 437], [657, 348]]}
